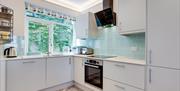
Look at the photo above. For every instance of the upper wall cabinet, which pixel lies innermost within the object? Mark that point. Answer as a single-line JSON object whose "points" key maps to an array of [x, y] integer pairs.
{"points": [[85, 26], [132, 16]]}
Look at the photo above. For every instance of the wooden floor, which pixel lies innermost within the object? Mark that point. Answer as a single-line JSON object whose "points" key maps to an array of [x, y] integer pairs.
{"points": [[73, 88]]}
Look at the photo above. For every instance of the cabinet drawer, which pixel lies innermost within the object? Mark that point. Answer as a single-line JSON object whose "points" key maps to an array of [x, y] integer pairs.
{"points": [[126, 73], [110, 85]]}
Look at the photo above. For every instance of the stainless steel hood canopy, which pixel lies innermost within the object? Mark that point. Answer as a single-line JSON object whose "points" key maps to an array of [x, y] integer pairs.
{"points": [[106, 17]]}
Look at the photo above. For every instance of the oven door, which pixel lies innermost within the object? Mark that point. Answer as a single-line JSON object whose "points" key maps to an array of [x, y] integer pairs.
{"points": [[93, 75]]}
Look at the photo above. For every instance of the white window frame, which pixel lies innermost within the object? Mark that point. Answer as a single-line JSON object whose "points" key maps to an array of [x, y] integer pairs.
{"points": [[50, 32]]}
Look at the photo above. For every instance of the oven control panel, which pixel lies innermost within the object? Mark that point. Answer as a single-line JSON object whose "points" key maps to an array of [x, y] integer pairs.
{"points": [[95, 62]]}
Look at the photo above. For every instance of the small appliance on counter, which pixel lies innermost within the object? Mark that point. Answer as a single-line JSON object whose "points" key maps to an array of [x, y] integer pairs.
{"points": [[83, 50], [87, 51], [10, 52]]}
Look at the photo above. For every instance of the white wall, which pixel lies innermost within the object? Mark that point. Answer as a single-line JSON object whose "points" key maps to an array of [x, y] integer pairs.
{"points": [[19, 9], [54, 7]]}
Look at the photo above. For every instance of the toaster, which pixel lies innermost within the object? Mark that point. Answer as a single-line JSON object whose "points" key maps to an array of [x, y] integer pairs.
{"points": [[87, 51]]}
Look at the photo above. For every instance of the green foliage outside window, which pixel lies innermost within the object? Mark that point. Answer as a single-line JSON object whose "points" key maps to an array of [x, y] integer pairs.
{"points": [[38, 38], [62, 37], [62, 34]]}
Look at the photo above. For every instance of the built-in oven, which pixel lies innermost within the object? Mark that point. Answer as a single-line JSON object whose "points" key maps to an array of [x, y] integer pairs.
{"points": [[94, 72]]}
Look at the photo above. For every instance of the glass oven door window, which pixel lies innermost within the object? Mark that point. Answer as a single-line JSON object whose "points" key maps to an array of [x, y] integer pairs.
{"points": [[93, 75]]}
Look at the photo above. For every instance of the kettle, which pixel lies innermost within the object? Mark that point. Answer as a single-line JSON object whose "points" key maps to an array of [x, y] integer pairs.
{"points": [[10, 52]]}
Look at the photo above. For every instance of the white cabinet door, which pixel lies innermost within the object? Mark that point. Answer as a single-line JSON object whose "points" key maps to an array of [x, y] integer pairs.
{"points": [[132, 16], [2, 75], [79, 70], [162, 79], [26, 75], [133, 75], [59, 71], [85, 26], [81, 26], [110, 85], [164, 33]]}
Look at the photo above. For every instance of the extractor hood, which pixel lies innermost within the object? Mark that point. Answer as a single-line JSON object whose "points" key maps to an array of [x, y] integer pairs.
{"points": [[106, 17]]}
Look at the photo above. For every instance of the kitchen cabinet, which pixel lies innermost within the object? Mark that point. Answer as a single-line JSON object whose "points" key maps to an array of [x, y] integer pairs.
{"points": [[110, 85], [132, 16], [163, 45], [163, 33], [163, 79], [133, 75], [2, 75], [59, 70], [79, 70], [85, 26], [26, 74]]}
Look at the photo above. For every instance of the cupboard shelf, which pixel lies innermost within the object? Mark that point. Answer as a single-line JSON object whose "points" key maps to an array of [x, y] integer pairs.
{"points": [[5, 28], [3, 41], [6, 24], [6, 16]]}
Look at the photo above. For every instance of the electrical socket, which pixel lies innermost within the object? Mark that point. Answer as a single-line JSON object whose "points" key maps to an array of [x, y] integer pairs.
{"points": [[134, 49]]}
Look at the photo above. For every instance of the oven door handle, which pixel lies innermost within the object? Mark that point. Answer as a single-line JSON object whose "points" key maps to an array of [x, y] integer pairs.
{"points": [[92, 66]]}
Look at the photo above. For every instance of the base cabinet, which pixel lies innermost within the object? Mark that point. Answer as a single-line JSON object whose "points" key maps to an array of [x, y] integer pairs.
{"points": [[79, 70], [162, 79], [110, 85], [2, 75], [125, 73], [59, 71], [26, 75]]}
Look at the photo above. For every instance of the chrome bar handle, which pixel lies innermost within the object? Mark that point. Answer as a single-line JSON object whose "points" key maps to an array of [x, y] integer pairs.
{"points": [[82, 63], [121, 66], [69, 60], [150, 56], [92, 66], [29, 62], [150, 75]]}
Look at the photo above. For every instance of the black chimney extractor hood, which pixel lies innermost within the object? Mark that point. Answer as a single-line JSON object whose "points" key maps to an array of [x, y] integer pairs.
{"points": [[106, 17]]}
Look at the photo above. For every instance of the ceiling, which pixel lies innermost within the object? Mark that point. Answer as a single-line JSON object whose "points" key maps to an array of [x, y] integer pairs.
{"points": [[77, 5]]}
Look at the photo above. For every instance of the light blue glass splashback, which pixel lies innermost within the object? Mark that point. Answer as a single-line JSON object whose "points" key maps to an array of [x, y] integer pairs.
{"points": [[110, 42]]}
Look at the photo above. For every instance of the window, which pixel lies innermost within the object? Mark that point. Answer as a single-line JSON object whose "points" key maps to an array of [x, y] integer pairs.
{"points": [[38, 38], [48, 35], [62, 37]]}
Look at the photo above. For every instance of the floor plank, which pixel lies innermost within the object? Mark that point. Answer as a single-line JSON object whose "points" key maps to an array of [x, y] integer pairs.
{"points": [[73, 88]]}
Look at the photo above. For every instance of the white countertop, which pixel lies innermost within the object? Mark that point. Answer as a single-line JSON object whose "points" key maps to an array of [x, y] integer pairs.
{"points": [[35, 57], [117, 59], [127, 60], [114, 59]]}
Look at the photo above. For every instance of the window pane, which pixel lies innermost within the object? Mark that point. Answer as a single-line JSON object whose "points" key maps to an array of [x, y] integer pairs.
{"points": [[62, 37], [38, 38]]}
